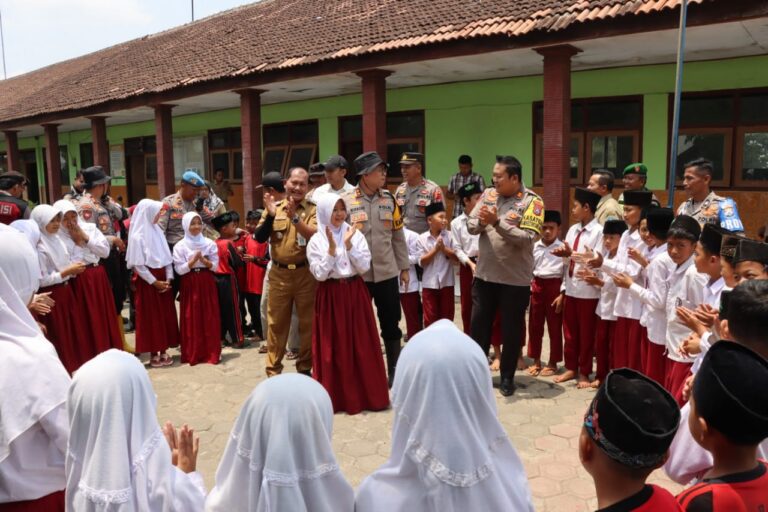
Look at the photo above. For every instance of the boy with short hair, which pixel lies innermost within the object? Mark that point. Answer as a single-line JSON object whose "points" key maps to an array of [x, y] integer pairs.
{"points": [[686, 289], [625, 436], [751, 260], [729, 418], [410, 298], [256, 257], [465, 245], [545, 289], [436, 256], [577, 298], [226, 283]]}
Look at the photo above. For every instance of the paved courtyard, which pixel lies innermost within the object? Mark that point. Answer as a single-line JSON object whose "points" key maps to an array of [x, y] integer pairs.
{"points": [[543, 420]]}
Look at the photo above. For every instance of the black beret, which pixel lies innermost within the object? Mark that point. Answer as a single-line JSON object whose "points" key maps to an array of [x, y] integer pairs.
{"points": [[632, 419], [614, 227], [641, 198], [552, 216], [687, 224], [585, 196], [751, 250], [658, 221], [433, 208], [728, 392]]}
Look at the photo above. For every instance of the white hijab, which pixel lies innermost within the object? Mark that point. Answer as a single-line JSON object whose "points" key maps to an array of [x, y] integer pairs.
{"points": [[50, 245], [147, 245], [449, 451], [279, 454], [20, 263], [193, 243], [118, 459], [28, 228], [325, 206], [32, 379]]}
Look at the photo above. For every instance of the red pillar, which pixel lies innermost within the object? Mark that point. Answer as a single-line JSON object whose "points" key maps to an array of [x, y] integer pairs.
{"points": [[100, 144], [53, 162], [166, 180], [557, 126], [375, 110], [12, 150], [250, 136]]}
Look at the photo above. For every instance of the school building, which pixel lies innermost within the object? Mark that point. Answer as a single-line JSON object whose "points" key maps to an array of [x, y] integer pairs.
{"points": [[567, 86]]}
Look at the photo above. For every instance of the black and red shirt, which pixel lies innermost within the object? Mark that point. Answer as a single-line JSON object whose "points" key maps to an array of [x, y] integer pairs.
{"points": [[651, 498], [739, 492], [11, 208]]}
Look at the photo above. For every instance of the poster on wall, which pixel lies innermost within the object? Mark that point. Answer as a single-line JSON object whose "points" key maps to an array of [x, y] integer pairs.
{"points": [[117, 160]]}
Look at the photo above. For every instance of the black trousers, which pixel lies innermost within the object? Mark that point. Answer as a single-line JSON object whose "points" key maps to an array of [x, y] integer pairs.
{"points": [[114, 265], [386, 296], [253, 301], [230, 318], [487, 298]]}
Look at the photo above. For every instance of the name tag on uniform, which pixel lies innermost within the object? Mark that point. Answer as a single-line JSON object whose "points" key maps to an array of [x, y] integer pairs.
{"points": [[359, 217], [300, 240]]}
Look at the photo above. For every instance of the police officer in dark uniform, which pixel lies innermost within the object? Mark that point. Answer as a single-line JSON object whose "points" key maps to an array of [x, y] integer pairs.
{"points": [[374, 211], [12, 206]]}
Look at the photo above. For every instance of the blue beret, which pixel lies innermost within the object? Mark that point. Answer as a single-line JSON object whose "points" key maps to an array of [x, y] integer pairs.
{"points": [[192, 178]]}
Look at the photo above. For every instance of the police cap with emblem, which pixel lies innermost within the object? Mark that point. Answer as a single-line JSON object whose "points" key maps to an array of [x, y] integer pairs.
{"points": [[639, 198], [409, 158], [273, 180], [632, 419], [751, 250], [367, 163], [585, 196], [469, 190], [552, 216], [223, 219], [614, 227], [658, 221], [193, 179], [726, 396], [336, 162], [636, 168], [434, 208], [95, 176]]}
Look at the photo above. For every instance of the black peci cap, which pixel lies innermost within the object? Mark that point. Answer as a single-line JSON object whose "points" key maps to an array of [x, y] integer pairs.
{"points": [[367, 163], [614, 227], [641, 198], [751, 250], [469, 190], [433, 208], [687, 224], [712, 238], [223, 219], [725, 392], [552, 216], [632, 419], [658, 221], [728, 246], [585, 196]]}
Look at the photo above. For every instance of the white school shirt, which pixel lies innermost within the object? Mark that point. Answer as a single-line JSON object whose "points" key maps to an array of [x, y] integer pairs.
{"points": [[607, 302], [439, 272], [686, 288], [346, 263], [144, 273], [591, 237], [94, 250], [411, 240], [545, 264], [49, 274], [464, 243], [626, 305], [712, 291], [654, 295]]}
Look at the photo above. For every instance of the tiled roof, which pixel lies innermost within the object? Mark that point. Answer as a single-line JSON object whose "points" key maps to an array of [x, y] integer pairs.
{"points": [[279, 34]]}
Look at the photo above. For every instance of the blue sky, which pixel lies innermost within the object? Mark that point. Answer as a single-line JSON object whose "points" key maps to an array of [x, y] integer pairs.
{"points": [[41, 32]]}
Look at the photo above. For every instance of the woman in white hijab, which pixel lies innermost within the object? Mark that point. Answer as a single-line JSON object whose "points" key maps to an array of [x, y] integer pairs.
{"points": [[117, 459], [65, 322], [279, 455], [33, 417], [93, 291], [28, 228], [195, 258], [449, 451], [346, 355], [152, 264]]}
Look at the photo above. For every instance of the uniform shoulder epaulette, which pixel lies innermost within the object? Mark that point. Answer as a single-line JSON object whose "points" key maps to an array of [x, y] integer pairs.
{"points": [[386, 192]]}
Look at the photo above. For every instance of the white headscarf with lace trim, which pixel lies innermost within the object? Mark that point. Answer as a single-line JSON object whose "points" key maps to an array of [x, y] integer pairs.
{"points": [[449, 451]]}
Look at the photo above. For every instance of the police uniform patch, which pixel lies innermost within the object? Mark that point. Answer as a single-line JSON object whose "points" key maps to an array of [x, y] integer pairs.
{"points": [[357, 217], [538, 207], [531, 219], [87, 213]]}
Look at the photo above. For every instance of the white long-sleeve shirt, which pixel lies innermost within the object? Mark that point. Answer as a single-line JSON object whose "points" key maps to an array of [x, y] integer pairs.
{"points": [[411, 239], [591, 237], [654, 296], [545, 264], [686, 289], [607, 302], [626, 305], [94, 250], [465, 243], [438, 273], [49, 274], [183, 253], [345, 263], [144, 273]]}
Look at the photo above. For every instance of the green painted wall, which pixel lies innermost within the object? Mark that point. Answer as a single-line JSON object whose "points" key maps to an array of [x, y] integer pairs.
{"points": [[481, 118]]}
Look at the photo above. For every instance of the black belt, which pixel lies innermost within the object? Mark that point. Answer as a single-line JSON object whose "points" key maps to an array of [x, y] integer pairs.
{"points": [[290, 266], [198, 269], [342, 279]]}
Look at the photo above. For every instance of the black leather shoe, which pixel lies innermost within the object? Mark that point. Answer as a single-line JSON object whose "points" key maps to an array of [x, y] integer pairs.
{"points": [[507, 387]]}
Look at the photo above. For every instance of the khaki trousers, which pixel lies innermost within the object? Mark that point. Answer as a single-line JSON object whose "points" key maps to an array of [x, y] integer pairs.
{"points": [[286, 288]]}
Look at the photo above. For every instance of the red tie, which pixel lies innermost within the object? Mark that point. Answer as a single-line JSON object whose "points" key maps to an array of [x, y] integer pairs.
{"points": [[575, 248]]}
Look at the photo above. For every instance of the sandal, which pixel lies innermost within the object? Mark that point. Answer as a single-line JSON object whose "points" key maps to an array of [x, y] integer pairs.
{"points": [[291, 355], [263, 349], [166, 360], [533, 370], [547, 371], [242, 344], [155, 362]]}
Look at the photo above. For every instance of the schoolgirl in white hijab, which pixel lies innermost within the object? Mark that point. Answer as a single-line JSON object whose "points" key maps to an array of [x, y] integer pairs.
{"points": [[186, 248], [56, 264], [33, 417], [449, 451], [279, 455], [345, 262], [28, 228], [90, 250], [118, 459]]}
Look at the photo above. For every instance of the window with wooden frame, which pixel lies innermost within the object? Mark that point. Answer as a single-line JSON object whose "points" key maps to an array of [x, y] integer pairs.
{"points": [[86, 155], [3, 162], [225, 153], [145, 150], [288, 145], [405, 133], [730, 128], [605, 134]]}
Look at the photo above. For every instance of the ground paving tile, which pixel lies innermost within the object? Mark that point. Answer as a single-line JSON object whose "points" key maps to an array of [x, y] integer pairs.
{"points": [[543, 420]]}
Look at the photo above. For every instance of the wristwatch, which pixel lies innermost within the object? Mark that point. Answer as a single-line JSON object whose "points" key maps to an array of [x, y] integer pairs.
{"points": [[295, 219]]}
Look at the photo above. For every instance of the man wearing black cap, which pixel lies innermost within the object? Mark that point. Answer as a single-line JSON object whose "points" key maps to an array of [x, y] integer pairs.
{"points": [[508, 218], [316, 180], [12, 206], [703, 204], [463, 177], [374, 211], [729, 418], [416, 192], [335, 175], [626, 435]]}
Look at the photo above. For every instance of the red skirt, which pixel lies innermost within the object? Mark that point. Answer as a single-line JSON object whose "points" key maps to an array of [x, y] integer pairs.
{"points": [[94, 294], [63, 326], [156, 324], [677, 373], [346, 354], [54, 502], [627, 340], [200, 323]]}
